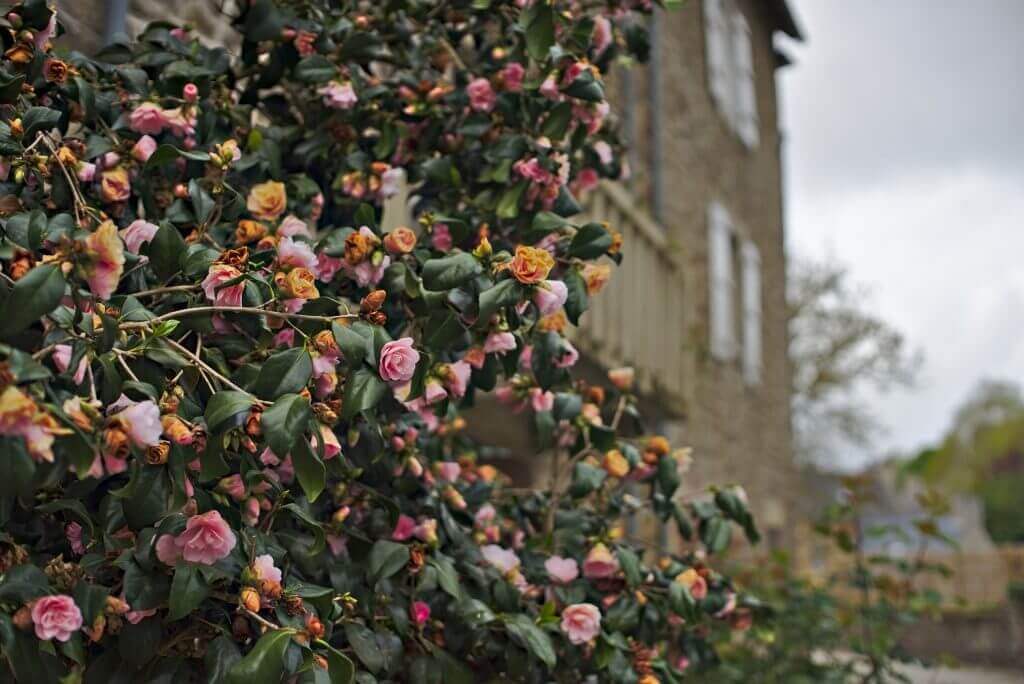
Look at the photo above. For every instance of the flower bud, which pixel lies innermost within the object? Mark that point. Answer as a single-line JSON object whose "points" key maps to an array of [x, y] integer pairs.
{"points": [[314, 627], [249, 599]]}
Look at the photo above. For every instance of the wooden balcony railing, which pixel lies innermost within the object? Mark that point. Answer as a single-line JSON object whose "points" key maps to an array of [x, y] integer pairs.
{"points": [[637, 319]]}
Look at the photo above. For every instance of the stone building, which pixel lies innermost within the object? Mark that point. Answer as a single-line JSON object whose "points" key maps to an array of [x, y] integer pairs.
{"points": [[698, 307]]}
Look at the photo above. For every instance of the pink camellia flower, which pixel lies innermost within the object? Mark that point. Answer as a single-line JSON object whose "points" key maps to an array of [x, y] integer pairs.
{"points": [[481, 95], [207, 539], [485, 515], [434, 392], [512, 76], [602, 35], [212, 285], [138, 233], [292, 225], [426, 531], [106, 260], [449, 470], [581, 622], [86, 172], [251, 511], [42, 37], [136, 616], [264, 568], [550, 296], [328, 266], [549, 88], [457, 379], [562, 570], [339, 95], [148, 119], [144, 148], [367, 273], [181, 124], [569, 356], [294, 254], [73, 533], [141, 420], [398, 360], [541, 400], [503, 559], [403, 528], [419, 612], [56, 617], [391, 182], [62, 359], [441, 238], [604, 152], [586, 180], [233, 486], [600, 563], [332, 447], [499, 342], [190, 93]]}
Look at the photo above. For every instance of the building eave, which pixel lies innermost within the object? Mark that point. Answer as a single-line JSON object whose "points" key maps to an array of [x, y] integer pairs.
{"points": [[784, 20]]}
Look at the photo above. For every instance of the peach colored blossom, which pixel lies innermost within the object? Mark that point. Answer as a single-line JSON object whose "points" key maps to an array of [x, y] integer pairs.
{"points": [[116, 185], [138, 233], [581, 622], [267, 200], [105, 254], [600, 563]]}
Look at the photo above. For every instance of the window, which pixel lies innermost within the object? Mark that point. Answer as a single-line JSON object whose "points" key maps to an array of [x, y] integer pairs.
{"points": [[734, 316], [750, 261], [731, 68], [722, 285]]}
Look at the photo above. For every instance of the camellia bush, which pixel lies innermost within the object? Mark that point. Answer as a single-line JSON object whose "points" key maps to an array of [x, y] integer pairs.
{"points": [[231, 447]]}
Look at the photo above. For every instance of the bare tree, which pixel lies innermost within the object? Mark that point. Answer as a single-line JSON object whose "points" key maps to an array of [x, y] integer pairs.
{"points": [[838, 349]]}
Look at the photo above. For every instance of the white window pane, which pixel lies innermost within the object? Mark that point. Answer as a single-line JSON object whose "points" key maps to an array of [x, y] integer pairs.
{"points": [[751, 290], [716, 40], [744, 84], [721, 283]]}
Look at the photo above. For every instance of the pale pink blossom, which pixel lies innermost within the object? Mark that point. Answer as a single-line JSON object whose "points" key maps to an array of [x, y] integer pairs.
{"points": [[568, 357], [549, 88], [391, 182], [458, 378], [56, 617], [148, 119], [581, 622], [44, 36], [481, 95], [434, 392], [328, 266], [142, 422], [426, 531], [295, 254], [332, 447], [292, 225], [138, 233], [181, 124], [265, 569], [144, 148], [550, 296], [207, 539], [86, 172], [233, 486], [541, 400], [62, 360], [602, 36], [339, 95], [604, 152], [503, 559], [398, 360], [562, 570], [499, 342], [367, 273], [216, 292], [285, 337], [485, 515], [449, 471]]}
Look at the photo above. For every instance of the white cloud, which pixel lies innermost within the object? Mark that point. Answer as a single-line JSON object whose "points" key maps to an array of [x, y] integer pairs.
{"points": [[941, 253]]}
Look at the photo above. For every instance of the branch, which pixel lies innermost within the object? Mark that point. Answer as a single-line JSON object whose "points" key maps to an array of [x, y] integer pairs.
{"points": [[251, 310]]}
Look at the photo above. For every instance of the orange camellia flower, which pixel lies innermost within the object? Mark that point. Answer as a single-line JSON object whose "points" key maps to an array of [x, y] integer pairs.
{"points": [[105, 253], [531, 265], [267, 200], [622, 378], [116, 185], [19, 54], [21, 417], [556, 322], [249, 231], [400, 241], [595, 276], [693, 581], [299, 283], [615, 464]]}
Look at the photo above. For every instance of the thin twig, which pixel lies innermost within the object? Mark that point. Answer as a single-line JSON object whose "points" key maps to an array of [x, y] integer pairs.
{"points": [[205, 366], [251, 310], [163, 290]]}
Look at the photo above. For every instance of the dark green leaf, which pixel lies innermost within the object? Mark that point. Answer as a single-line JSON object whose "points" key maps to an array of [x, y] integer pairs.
{"points": [[39, 120], [264, 664], [533, 637], [285, 372], [353, 346], [450, 271], [363, 390], [364, 643], [283, 423], [227, 409], [36, 294], [590, 241], [309, 469], [387, 558], [315, 69], [188, 590]]}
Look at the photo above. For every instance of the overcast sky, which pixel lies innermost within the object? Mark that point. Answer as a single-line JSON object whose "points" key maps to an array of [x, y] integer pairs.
{"points": [[904, 125]]}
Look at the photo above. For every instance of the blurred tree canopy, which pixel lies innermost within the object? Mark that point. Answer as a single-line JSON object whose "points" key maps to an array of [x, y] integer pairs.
{"points": [[983, 454], [838, 348]]}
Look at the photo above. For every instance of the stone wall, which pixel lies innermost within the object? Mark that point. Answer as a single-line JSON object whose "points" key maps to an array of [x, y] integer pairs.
{"points": [[740, 433]]}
